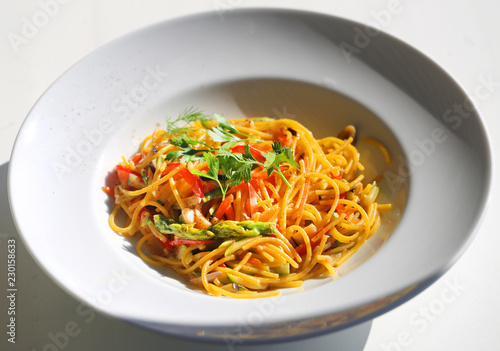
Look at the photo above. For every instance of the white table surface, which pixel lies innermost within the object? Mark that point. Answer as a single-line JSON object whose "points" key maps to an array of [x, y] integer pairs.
{"points": [[461, 311]]}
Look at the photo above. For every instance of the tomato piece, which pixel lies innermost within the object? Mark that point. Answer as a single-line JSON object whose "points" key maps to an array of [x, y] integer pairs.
{"points": [[122, 175], [261, 175], [230, 215], [209, 186], [194, 181], [108, 190], [166, 244], [224, 206], [137, 158]]}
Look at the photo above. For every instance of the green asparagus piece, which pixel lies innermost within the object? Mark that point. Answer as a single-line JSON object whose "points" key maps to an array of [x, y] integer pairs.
{"points": [[236, 230], [221, 230]]}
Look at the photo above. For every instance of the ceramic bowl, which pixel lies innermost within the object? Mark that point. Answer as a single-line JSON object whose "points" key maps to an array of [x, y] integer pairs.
{"points": [[326, 72]]}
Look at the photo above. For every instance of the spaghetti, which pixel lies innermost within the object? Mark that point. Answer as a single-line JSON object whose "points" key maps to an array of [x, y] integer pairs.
{"points": [[245, 207]]}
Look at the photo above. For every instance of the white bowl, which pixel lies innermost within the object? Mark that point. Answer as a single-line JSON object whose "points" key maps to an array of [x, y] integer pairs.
{"points": [[325, 72]]}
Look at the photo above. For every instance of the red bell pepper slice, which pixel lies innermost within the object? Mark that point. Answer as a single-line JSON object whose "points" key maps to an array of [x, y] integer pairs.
{"points": [[257, 154], [108, 190], [170, 167], [180, 242], [137, 157], [209, 186], [224, 206], [123, 173], [166, 244], [261, 175], [125, 170], [262, 147], [194, 181], [230, 215], [189, 177]]}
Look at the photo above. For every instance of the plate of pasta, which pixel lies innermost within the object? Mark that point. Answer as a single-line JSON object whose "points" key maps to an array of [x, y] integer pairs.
{"points": [[234, 195], [245, 207]]}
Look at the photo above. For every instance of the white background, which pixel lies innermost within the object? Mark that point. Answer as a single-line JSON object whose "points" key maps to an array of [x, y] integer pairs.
{"points": [[461, 311]]}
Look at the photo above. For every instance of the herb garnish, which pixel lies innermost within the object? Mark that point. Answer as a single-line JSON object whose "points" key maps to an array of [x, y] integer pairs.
{"points": [[226, 167], [187, 116]]}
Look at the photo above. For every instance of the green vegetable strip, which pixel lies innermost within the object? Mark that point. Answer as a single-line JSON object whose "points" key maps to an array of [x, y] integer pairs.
{"points": [[221, 230]]}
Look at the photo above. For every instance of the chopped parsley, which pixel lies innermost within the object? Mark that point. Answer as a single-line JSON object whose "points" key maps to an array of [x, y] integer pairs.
{"points": [[225, 166]]}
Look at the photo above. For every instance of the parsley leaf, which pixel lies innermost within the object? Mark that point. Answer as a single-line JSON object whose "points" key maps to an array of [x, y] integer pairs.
{"points": [[187, 152], [213, 165], [228, 127], [225, 125], [248, 155], [219, 134], [270, 162], [235, 167], [278, 156], [276, 147]]}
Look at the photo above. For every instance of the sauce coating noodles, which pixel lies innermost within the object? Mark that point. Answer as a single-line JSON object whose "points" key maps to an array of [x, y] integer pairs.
{"points": [[298, 210]]}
